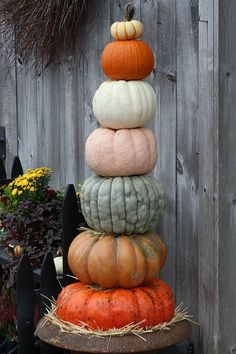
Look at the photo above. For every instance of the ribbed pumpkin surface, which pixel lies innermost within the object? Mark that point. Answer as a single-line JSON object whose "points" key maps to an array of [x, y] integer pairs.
{"points": [[111, 261], [127, 30], [127, 60], [116, 308], [122, 205], [124, 104], [124, 152]]}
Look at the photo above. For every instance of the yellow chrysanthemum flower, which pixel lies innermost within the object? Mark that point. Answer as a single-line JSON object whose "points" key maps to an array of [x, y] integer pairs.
{"points": [[24, 182], [14, 192]]}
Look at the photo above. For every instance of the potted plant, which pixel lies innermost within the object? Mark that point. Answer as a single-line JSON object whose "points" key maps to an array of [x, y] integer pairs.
{"points": [[30, 215]]}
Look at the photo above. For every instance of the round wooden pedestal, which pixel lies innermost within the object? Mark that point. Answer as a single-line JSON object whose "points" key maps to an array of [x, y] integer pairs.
{"points": [[150, 342]]}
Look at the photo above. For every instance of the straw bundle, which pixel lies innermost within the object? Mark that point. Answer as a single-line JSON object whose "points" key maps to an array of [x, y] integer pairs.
{"points": [[132, 328], [41, 30]]}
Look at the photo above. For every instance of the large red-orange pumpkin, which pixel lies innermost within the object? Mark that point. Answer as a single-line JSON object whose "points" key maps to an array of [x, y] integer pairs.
{"points": [[127, 60], [123, 152], [115, 308], [110, 261]]}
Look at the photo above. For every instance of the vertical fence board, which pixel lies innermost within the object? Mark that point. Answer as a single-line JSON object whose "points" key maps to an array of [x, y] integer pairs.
{"points": [[3, 174], [227, 178], [49, 285], [70, 225], [25, 299], [187, 156], [28, 115], [161, 36], [95, 37], [51, 123], [8, 99], [208, 155], [17, 169], [49, 290]]}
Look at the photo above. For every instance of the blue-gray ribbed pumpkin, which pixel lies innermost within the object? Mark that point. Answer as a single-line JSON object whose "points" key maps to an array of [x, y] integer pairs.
{"points": [[122, 205]]}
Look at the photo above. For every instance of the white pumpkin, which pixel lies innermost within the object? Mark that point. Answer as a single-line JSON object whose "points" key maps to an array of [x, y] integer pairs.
{"points": [[124, 104], [127, 30]]}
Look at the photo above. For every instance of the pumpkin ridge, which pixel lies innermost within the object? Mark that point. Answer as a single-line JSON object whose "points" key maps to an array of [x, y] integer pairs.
{"points": [[150, 191], [160, 246], [167, 296], [134, 292], [86, 184], [141, 245], [156, 187], [125, 30], [86, 304], [128, 181], [147, 135], [98, 218], [144, 97], [138, 59], [117, 35], [138, 246], [134, 29], [73, 258], [95, 240], [132, 182], [138, 294], [159, 297], [111, 202], [116, 253], [106, 203], [123, 179], [149, 202]]}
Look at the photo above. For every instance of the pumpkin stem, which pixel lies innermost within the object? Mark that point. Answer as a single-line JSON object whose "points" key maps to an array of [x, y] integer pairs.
{"points": [[129, 11]]}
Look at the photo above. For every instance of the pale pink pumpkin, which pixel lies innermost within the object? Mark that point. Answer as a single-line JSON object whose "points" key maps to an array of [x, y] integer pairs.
{"points": [[123, 152]]}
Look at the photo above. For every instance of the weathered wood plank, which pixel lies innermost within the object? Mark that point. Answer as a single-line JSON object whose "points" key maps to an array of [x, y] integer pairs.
{"points": [[208, 179], [227, 177], [28, 108], [50, 120], [187, 243], [25, 311], [8, 109], [160, 35], [96, 35]]}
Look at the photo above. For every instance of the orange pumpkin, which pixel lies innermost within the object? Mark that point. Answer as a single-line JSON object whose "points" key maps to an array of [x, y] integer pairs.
{"points": [[123, 152], [127, 60], [110, 261], [115, 308]]}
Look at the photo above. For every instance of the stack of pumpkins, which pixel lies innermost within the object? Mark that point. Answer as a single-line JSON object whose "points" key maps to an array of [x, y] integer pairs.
{"points": [[121, 253]]}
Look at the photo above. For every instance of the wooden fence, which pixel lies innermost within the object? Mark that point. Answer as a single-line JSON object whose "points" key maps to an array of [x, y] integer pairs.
{"points": [[35, 287], [16, 170], [48, 116]]}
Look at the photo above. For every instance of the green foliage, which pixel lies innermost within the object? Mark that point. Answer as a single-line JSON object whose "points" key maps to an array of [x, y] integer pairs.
{"points": [[30, 213], [35, 226]]}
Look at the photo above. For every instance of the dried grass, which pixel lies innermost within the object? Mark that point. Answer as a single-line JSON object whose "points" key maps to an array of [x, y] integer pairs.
{"points": [[131, 328], [41, 31]]}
